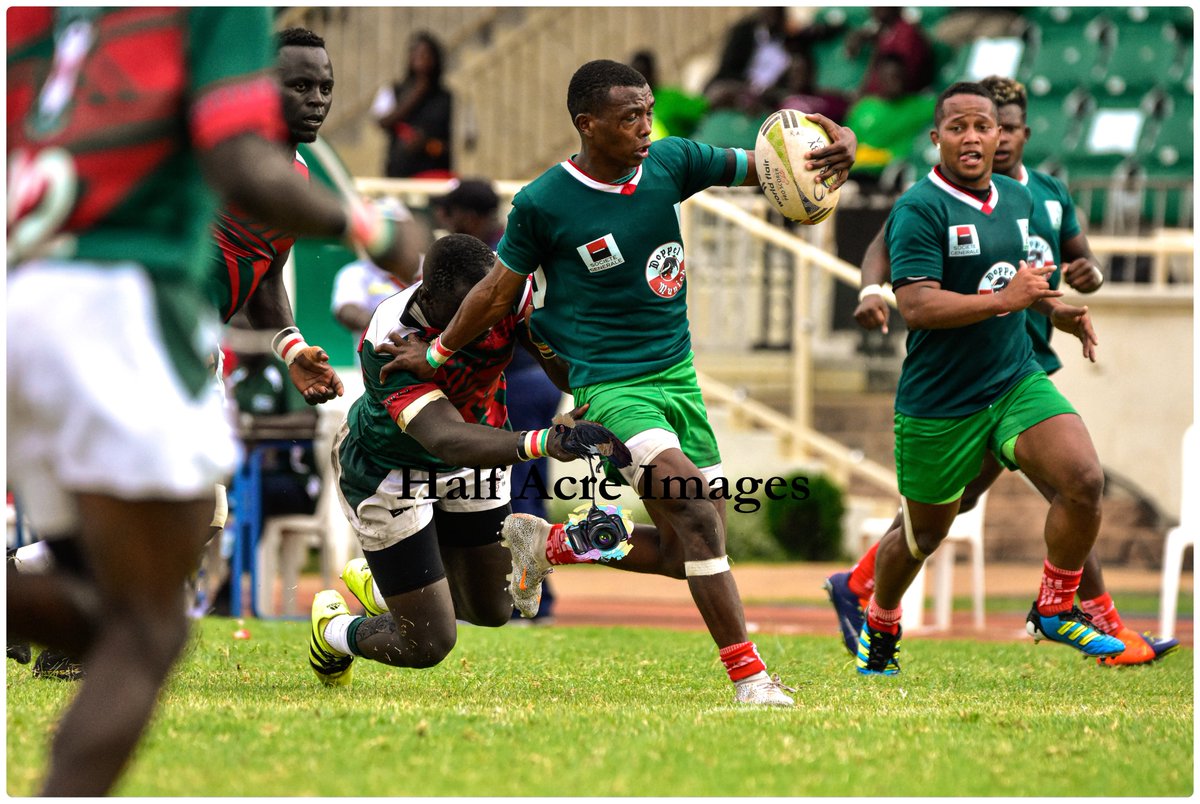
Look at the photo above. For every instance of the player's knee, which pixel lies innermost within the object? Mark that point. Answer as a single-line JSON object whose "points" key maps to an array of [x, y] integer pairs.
{"points": [[1084, 485], [491, 613], [431, 648], [154, 638], [697, 527]]}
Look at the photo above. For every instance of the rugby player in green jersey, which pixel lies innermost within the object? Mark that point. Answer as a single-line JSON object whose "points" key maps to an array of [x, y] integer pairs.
{"points": [[1055, 239], [958, 243], [600, 235]]}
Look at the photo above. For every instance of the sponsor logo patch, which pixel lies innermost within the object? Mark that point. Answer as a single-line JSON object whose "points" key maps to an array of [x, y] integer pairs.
{"points": [[964, 241], [1040, 252], [601, 254], [1054, 210], [996, 279], [665, 271]]}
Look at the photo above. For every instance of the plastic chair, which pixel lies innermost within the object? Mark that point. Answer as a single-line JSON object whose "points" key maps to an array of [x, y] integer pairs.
{"points": [[282, 545], [1180, 538], [966, 528]]}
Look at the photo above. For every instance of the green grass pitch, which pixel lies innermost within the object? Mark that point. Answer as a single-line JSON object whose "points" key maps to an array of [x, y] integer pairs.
{"points": [[641, 712]]}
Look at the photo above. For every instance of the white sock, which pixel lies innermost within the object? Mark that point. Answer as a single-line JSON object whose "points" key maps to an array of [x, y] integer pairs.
{"points": [[33, 559], [375, 593], [761, 675], [335, 633]]}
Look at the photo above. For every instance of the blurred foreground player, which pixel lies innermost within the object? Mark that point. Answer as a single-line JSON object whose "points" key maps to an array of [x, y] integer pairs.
{"points": [[114, 440]]}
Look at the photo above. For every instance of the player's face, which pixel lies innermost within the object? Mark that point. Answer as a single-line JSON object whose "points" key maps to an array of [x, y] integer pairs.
{"points": [[620, 134], [1013, 136], [967, 138], [306, 77]]}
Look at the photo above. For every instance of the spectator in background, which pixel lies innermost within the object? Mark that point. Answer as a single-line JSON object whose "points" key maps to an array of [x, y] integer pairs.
{"points": [[470, 208], [755, 56], [799, 90], [888, 122], [416, 114], [676, 113], [358, 289], [890, 34]]}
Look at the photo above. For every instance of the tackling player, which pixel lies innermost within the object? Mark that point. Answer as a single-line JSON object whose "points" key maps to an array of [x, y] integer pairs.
{"points": [[429, 528], [1055, 239]]}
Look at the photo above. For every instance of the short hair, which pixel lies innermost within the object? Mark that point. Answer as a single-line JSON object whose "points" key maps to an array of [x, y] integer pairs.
{"points": [[959, 88], [455, 263], [297, 37], [1006, 91], [589, 87]]}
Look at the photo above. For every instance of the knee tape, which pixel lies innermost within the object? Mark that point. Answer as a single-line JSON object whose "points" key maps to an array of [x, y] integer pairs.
{"points": [[909, 537], [709, 566], [221, 508]]}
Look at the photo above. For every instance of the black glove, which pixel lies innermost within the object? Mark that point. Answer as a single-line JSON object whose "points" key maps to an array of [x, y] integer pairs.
{"points": [[583, 439]]}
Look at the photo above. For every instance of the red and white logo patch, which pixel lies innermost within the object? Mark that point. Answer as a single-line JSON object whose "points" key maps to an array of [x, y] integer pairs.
{"points": [[963, 241], [665, 271], [601, 254]]}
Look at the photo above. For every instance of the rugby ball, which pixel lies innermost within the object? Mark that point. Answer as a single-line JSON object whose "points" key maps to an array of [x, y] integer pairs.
{"points": [[783, 140]]}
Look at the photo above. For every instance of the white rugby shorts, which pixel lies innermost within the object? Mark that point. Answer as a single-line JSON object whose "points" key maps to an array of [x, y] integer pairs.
{"points": [[388, 516], [94, 403]]}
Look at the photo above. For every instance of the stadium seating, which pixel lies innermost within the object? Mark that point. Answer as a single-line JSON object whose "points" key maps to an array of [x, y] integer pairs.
{"points": [[1141, 56], [1065, 56]]}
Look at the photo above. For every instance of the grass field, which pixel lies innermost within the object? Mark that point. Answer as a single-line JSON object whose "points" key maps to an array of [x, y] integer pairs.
{"points": [[626, 711]]}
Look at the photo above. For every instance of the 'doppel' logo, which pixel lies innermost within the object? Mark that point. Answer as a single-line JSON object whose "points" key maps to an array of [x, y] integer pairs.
{"points": [[665, 270]]}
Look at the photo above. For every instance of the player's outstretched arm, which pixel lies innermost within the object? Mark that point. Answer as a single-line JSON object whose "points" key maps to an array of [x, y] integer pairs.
{"points": [[925, 305], [441, 430], [872, 311]]}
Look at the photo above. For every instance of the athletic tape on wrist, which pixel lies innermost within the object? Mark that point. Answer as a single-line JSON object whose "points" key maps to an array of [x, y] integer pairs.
{"points": [[909, 538], [221, 508], [709, 566], [1099, 275], [437, 354], [287, 344], [870, 290]]}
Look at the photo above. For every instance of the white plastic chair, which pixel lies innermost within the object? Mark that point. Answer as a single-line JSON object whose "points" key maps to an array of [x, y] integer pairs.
{"points": [[1180, 538], [966, 528], [284, 541]]}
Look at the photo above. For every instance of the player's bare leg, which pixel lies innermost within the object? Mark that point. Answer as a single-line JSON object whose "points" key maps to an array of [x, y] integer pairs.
{"points": [[140, 553]]}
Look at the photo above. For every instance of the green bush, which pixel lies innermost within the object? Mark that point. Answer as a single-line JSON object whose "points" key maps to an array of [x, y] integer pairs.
{"points": [[747, 538], [809, 529]]}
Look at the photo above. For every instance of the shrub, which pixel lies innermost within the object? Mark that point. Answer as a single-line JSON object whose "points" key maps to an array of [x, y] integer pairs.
{"points": [[809, 529]]}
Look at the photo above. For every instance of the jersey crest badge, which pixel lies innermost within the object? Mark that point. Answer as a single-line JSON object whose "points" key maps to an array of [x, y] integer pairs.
{"points": [[996, 279], [1054, 211], [964, 241], [664, 270], [1040, 252], [601, 254]]}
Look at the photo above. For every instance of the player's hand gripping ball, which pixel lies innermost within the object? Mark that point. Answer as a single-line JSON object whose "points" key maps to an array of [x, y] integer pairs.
{"points": [[783, 140]]}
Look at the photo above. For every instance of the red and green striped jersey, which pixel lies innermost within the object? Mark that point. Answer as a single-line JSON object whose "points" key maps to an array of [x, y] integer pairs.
{"points": [[473, 380], [132, 94], [244, 251]]}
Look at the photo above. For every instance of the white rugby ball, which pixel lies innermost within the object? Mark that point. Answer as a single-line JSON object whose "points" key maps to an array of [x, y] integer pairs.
{"points": [[783, 140]]}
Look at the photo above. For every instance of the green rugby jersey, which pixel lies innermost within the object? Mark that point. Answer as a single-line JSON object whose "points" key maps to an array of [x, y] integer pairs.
{"points": [[607, 260], [1053, 223], [941, 233]]}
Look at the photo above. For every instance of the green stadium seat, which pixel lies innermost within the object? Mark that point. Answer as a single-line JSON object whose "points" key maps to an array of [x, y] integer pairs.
{"points": [[1180, 16], [1142, 56], [849, 17], [835, 69], [1065, 56], [1062, 15], [1054, 125]]}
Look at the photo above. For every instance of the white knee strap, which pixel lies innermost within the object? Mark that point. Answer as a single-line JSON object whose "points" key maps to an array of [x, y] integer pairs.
{"points": [[909, 537], [221, 507], [709, 566]]}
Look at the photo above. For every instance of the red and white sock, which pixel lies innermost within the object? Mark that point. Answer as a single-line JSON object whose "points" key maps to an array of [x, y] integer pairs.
{"points": [[881, 619], [862, 576], [1103, 613], [558, 548], [1058, 589], [741, 661]]}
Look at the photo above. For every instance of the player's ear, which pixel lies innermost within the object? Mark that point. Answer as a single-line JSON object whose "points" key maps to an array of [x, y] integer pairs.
{"points": [[583, 124]]}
